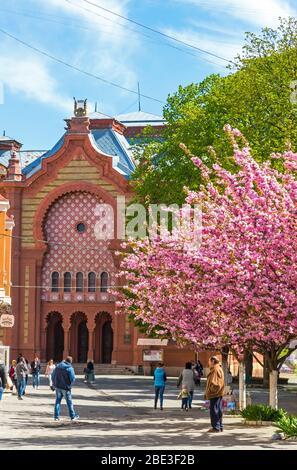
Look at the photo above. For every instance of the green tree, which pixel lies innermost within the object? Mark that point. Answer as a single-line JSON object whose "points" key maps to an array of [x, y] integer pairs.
{"points": [[256, 97]]}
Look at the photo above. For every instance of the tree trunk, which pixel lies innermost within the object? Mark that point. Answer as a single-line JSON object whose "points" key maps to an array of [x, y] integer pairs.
{"points": [[242, 386], [273, 398], [249, 360], [225, 352], [266, 370]]}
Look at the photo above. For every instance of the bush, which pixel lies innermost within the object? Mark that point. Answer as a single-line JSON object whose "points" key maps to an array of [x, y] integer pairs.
{"points": [[288, 425], [262, 413]]}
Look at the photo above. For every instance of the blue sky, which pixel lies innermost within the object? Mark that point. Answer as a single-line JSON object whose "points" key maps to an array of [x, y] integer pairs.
{"points": [[38, 92]]}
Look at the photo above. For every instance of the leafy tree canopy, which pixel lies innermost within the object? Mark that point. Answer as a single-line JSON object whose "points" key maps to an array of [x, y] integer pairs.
{"points": [[256, 98]]}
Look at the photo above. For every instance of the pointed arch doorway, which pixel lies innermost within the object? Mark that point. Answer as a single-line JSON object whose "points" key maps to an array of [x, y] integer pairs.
{"points": [[79, 337], [54, 337], [103, 338]]}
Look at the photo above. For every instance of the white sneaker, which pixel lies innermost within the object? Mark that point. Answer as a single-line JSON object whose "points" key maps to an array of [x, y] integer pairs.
{"points": [[76, 418]]}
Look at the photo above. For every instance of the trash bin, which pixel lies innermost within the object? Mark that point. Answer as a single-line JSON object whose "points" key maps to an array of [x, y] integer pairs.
{"points": [[140, 370]]}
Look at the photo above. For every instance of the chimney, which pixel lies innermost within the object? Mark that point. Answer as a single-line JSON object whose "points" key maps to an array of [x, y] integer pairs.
{"points": [[14, 172]]}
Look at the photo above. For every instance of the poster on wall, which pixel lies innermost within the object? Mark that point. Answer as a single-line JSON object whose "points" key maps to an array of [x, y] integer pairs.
{"points": [[155, 355]]}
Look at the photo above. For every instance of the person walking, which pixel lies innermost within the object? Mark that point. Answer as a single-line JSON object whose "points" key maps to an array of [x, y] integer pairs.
{"points": [[12, 374], [35, 371], [21, 372], [185, 398], [214, 393], [50, 367], [3, 380], [27, 374], [198, 369], [187, 380], [20, 355], [159, 382], [90, 377], [63, 378]]}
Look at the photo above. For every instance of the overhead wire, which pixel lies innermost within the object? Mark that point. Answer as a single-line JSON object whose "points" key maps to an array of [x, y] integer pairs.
{"points": [[74, 67], [156, 31]]}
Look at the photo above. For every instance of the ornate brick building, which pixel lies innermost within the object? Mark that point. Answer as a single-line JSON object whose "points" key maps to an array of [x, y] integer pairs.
{"points": [[61, 269]]}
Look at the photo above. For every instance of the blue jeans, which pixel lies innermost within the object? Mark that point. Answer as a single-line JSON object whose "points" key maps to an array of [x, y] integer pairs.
{"points": [[191, 398], [159, 391], [216, 413], [21, 386], [185, 402], [35, 378], [60, 393], [1, 392]]}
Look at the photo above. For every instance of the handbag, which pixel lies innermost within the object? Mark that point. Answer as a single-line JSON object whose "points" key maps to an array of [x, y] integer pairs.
{"points": [[9, 383]]}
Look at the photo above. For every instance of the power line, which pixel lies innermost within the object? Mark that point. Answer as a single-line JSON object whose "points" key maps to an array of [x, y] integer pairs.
{"points": [[77, 69], [156, 31], [52, 19], [140, 33]]}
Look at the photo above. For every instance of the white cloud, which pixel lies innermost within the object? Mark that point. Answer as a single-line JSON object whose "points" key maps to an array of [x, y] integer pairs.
{"points": [[227, 48], [30, 76], [258, 12], [104, 49]]}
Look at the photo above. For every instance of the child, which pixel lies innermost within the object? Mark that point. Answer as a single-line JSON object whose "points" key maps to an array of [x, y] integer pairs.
{"points": [[184, 395]]}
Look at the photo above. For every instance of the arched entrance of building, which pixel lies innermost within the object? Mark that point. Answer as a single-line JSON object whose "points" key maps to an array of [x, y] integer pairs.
{"points": [[103, 338], [54, 337], [79, 337]]}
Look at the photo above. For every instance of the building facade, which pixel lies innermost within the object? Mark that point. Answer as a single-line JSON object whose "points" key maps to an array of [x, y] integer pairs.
{"points": [[6, 226], [63, 263]]}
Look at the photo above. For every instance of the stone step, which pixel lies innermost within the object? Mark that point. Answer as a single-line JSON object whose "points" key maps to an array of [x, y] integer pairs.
{"points": [[100, 369]]}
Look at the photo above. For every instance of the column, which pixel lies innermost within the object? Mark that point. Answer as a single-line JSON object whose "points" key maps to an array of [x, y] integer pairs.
{"points": [[3, 208], [66, 327], [38, 309], [91, 329], [43, 351], [8, 242]]}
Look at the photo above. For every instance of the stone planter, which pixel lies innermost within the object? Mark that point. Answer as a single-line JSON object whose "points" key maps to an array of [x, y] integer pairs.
{"points": [[259, 423]]}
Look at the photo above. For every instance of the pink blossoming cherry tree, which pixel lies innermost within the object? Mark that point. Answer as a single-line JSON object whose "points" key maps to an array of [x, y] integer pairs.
{"points": [[237, 287]]}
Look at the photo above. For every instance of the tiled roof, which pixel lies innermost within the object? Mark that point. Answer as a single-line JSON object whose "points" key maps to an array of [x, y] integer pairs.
{"points": [[112, 143], [26, 156], [35, 164], [139, 118], [107, 141]]}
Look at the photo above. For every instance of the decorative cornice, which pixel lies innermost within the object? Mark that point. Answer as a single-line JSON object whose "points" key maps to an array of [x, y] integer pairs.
{"points": [[4, 204]]}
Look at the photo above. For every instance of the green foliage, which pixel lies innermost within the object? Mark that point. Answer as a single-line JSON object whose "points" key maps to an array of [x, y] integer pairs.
{"points": [[288, 425], [145, 328], [262, 413], [254, 97]]}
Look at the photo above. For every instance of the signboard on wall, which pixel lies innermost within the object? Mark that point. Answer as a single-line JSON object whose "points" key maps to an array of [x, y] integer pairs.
{"points": [[6, 320], [152, 342], [152, 355]]}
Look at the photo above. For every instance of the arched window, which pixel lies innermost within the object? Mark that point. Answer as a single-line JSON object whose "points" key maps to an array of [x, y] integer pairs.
{"points": [[67, 282], [92, 282], [55, 281], [104, 282], [79, 282]]}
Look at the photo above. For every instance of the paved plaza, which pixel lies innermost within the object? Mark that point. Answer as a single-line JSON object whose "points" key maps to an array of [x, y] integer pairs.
{"points": [[117, 413]]}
